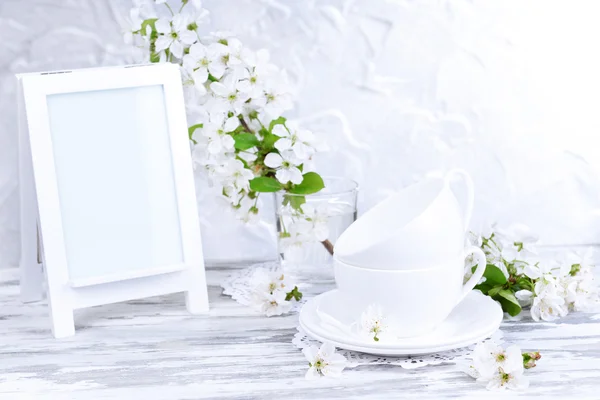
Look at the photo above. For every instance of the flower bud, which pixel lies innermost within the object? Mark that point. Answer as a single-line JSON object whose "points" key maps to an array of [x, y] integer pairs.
{"points": [[530, 358]]}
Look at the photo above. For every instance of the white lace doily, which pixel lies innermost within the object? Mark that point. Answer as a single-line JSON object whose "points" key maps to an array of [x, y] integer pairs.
{"points": [[238, 286], [302, 340]]}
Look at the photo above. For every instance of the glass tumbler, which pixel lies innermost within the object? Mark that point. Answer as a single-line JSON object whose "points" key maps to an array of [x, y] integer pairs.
{"points": [[309, 225]]}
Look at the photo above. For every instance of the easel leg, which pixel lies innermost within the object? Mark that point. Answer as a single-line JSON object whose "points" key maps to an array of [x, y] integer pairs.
{"points": [[63, 324], [196, 299]]}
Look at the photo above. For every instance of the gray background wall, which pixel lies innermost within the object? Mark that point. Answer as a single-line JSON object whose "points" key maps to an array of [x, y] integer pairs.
{"points": [[506, 90]]}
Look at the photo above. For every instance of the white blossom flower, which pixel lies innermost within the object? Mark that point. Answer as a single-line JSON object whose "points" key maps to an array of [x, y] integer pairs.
{"points": [[215, 133], [235, 174], [294, 240], [264, 280], [221, 37], [539, 270], [285, 164], [196, 15], [227, 92], [324, 361], [146, 8], [319, 218], [292, 137], [175, 35], [513, 380], [493, 254], [271, 304], [202, 60], [246, 210], [231, 196], [221, 78], [193, 87], [525, 297], [548, 303], [373, 324], [277, 98], [256, 78], [270, 289], [134, 23], [518, 243], [586, 295], [235, 53], [498, 368], [488, 357]]}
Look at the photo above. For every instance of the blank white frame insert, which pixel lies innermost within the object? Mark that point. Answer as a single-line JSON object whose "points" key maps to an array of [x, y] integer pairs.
{"points": [[115, 190]]}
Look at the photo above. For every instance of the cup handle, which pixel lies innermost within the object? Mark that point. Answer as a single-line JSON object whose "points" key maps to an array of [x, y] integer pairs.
{"points": [[481, 264], [468, 208]]}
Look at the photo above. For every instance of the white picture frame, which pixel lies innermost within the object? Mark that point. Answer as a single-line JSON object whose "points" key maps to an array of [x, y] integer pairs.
{"points": [[175, 260]]}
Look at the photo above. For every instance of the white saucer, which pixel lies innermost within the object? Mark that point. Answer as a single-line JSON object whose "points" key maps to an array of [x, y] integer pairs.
{"points": [[327, 319]]}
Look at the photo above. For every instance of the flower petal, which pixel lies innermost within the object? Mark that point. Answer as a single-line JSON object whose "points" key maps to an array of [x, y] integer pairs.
{"points": [[283, 144], [176, 49], [295, 175], [219, 89], [163, 25], [230, 124], [280, 131], [162, 43], [283, 175], [273, 160], [188, 37]]}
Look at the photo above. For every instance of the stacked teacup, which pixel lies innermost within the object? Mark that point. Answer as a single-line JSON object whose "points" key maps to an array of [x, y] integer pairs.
{"points": [[407, 255]]}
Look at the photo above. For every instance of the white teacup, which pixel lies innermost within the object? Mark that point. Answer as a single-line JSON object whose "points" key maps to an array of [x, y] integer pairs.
{"points": [[412, 302], [420, 226]]}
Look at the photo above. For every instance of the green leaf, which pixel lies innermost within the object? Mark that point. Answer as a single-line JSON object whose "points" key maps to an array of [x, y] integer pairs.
{"points": [[269, 141], [191, 131], [265, 184], [494, 276], [245, 141], [575, 268], [311, 183], [294, 294], [524, 283], [484, 287], [294, 201], [509, 302], [494, 291], [278, 121]]}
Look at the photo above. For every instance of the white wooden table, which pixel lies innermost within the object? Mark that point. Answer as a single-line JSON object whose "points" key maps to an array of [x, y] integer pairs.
{"points": [[152, 349]]}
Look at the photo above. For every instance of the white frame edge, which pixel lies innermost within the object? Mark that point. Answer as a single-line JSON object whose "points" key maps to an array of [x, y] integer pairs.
{"points": [[65, 295]]}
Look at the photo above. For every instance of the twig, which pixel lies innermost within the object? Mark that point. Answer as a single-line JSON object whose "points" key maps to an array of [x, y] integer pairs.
{"points": [[328, 246], [245, 125]]}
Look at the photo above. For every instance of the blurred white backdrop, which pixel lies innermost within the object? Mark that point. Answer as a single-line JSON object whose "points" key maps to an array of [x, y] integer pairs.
{"points": [[507, 90]]}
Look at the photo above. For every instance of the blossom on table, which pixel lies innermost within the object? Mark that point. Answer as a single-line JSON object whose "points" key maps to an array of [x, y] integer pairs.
{"points": [[499, 368], [271, 304], [373, 324], [548, 303], [270, 294], [324, 361]]}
